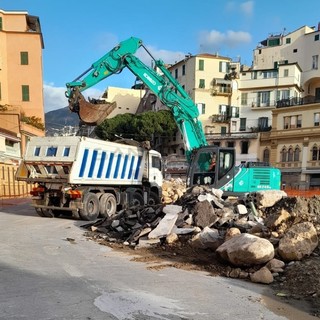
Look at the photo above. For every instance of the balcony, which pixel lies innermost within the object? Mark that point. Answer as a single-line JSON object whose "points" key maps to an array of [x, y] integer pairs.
{"points": [[296, 101], [220, 118]]}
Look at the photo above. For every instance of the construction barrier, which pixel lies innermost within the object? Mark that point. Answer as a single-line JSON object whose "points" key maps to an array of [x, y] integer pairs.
{"points": [[9, 186], [309, 193]]}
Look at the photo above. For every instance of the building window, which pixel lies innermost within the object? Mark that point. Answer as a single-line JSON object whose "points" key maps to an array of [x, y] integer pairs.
{"points": [[223, 66], [290, 155], [234, 112], [66, 151], [295, 50], [315, 153], [37, 151], [201, 108], [299, 121], [285, 94], [263, 123], [269, 74], [316, 118], [244, 98], [286, 122], [316, 37], [244, 147], [201, 83], [1, 23], [184, 70], [273, 42], [243, 124], [24, 58], [52, 152], [254, 75], [315, 62], [266, 155], [283, 154], [296, 156], [201, 64], [25, 93], [234, 126], [286, 72], [292, 122], [230, 144], [288, 40], [223, 130], [176, 73], [263, 99]]}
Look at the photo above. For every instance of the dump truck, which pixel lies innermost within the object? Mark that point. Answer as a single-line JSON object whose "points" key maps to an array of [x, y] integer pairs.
{"points": [[232, 179], [87, 178]]}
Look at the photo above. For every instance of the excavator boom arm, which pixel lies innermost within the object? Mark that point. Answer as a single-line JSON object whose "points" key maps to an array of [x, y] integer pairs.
{"points": [[159, 81]]}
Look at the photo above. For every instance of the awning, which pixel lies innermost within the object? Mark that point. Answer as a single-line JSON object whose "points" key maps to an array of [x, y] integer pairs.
{"points": [[221, 81], [10, 137]]}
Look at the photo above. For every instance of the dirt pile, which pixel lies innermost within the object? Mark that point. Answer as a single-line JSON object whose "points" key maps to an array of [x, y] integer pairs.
{"points": [[188, 233]]}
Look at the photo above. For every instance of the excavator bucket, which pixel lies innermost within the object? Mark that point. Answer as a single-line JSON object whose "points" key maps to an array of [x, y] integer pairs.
{"points": [[93, 112]]}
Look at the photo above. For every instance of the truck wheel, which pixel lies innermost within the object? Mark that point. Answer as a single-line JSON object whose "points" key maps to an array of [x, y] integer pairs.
{"points": [[108, 205], [39, 212], [137, 200], [90, 210], [47, 213], [153, 199]]}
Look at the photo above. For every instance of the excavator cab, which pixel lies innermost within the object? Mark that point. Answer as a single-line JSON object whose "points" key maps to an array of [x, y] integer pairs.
{"points": [[203, 172], [91, 112]]}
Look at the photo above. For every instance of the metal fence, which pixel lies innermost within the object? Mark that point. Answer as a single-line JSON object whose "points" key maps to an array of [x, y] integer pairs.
{"points": [[9, 186]]}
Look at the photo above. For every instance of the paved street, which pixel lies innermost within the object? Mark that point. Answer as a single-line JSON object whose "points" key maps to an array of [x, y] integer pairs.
{"points": [[44, 274]]}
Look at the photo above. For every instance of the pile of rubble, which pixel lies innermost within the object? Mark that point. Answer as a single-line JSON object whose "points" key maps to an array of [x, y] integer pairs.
{"points": [[256, 237]]}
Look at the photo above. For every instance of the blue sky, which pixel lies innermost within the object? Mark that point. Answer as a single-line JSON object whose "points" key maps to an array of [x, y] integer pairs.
{"points": [[77, 33]]}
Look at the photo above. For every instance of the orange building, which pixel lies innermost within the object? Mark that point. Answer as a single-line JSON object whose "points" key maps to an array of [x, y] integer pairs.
{"points": [[21, 89]]}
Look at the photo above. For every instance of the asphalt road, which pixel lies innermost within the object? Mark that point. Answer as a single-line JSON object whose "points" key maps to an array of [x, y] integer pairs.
{"points": [[49, 270]]}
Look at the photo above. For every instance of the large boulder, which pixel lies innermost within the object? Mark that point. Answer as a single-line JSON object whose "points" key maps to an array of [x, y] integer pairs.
{"points": [[246, 250], [299, 241]]}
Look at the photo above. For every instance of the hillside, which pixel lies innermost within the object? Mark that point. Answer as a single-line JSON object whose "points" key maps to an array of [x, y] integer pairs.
{"points": [[57, 119]]}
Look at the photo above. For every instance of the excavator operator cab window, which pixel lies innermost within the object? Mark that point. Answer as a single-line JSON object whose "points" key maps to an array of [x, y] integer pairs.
{"points": [[205, 168], [226, 162]]}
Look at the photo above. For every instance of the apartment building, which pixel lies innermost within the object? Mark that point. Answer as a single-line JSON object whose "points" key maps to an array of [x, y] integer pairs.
{"points": [[21, 89], [282, 90], [210, 81]]}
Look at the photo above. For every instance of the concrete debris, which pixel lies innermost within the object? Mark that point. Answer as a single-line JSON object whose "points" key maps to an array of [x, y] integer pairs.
{"points": [[256, 236]]}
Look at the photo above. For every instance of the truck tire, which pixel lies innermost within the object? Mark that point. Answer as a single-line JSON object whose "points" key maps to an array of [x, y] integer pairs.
{"points": [[153, 199], [45, 213], [39, 212], [136, 200], [90, 210], [108, 205]]}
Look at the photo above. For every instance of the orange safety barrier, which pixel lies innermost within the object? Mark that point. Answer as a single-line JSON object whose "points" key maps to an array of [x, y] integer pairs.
{"points": [[302, 193]]}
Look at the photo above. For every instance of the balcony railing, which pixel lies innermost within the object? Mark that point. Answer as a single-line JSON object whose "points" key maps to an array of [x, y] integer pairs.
{"points": [[223, 118], [296, 101]]}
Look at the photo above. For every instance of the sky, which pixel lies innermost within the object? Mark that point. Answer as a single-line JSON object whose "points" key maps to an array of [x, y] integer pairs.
{"points": [[77, 33]]}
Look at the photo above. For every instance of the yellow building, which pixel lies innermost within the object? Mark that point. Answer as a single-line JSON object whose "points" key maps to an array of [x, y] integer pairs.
{"points": [[21, 90]]}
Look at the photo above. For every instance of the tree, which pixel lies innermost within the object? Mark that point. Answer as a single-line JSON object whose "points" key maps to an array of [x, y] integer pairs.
{"points": [[141, 127]]}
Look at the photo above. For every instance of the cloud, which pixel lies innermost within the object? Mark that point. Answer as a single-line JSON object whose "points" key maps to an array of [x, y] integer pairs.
{"points": [[54, 97], [168, 57], [245, 7], [215, 40]]}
